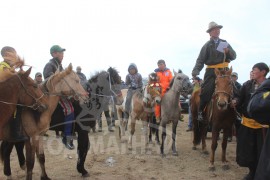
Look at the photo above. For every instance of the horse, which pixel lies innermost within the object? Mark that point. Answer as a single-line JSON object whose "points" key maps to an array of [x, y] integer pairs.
{"points": [[142, 108], [103, 85], [218, 113], [18, 89], [170, 110], [65, 83]]}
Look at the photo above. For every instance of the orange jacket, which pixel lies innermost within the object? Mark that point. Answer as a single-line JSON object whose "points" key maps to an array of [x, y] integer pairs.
{"points": [[165, 78]]}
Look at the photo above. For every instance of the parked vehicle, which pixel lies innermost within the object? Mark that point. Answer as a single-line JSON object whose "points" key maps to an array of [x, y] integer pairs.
{"points": [[184, 103]]}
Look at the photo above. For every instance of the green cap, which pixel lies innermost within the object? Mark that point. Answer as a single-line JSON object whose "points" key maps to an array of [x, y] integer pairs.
{"points": [[56, 48]]}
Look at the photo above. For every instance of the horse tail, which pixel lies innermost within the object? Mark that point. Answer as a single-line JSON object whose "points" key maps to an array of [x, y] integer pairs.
{"points": [[2, 152], [194, 105]]}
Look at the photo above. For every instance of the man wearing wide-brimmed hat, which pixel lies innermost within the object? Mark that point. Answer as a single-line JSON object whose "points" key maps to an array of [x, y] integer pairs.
{"points": [[216, 53]]}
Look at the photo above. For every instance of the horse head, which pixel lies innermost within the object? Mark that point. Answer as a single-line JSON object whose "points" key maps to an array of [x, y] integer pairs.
{"points": [[224, 88], [66, 83], [115, 81], [182, 84], [31, 95], [152, 95]]}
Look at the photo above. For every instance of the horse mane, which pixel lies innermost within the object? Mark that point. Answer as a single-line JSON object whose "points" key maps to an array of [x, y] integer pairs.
{"points": [[171, 83], [94, 78]]}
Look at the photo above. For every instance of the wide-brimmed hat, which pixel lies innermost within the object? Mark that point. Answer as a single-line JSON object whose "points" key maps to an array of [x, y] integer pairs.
{"points": [[213, 25]]}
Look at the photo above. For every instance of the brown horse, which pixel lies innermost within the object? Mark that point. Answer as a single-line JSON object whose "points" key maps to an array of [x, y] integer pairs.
{"points": [[18, 89], [218, 112], [65, 83]]}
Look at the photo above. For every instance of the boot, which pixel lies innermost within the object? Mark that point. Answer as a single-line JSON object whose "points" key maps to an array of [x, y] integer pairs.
{"points": [[68, 142], [16, 130], [80, 164]]}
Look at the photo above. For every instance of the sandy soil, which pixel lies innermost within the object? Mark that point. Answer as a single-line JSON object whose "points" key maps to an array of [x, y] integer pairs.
{"points": [[136, 164]]}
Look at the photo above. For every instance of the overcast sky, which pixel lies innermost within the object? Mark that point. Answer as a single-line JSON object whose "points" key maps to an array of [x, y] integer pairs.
{"points": [[103, 33]]}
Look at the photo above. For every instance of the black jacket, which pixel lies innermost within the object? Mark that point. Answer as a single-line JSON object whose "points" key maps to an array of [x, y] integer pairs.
{"points": [[51, 67]]}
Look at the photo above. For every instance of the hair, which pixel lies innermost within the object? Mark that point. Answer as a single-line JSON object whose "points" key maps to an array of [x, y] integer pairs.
{"points": [[6, 49], [262, 66]]}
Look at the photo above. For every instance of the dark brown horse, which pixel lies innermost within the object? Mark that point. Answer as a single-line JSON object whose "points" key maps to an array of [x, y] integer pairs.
{"points": [[218, 112], [18, 89]]}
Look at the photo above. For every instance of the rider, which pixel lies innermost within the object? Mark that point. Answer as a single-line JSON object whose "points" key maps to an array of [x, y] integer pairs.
{"points": [[134, 83], [50, 68], [213, 57], [165, 77], [16, 132]]}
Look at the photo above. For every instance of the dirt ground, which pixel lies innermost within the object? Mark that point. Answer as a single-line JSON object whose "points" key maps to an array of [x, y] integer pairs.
{"points": [[108, 158]]}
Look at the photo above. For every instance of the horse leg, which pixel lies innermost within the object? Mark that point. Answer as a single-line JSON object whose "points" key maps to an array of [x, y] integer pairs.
{"points": [[132, 131], [174, 126], [38, 146], [6, 149], [150, 133], [213, 148], [145, 132], [224, 147], [163, 136], [203, 136], [83, 146], [30, 158], [19, 148]]}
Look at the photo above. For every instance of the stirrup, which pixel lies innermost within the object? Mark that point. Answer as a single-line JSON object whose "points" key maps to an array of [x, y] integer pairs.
{"points": [[200, 116]]}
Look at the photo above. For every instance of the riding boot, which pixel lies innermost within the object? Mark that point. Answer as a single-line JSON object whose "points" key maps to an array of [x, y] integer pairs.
{"points": [[16, 129], [80, 163]]}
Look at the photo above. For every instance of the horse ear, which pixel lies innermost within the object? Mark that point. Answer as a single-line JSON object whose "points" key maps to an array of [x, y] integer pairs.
{"points": [[69, 68], [174, 72], [27, 73], [230, 70], [217, 72]]}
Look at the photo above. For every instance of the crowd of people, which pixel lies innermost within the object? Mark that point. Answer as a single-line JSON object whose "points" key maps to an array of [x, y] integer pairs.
{"points": [[215, 53]]}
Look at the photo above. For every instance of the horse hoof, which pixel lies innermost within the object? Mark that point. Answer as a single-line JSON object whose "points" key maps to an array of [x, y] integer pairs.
{"points": [[163, 155], [86, 175], [157, 142], [225, 167], [150, 142], [45, 178], [129, 148], [194, 148], [175, 153], [205, 152], [212, 168]]}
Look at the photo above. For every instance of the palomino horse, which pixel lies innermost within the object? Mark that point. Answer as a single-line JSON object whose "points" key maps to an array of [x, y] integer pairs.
{"points": [[218, 113], [18, 89], [142, 108], [65, 83], [103, 85], [170, 110]]}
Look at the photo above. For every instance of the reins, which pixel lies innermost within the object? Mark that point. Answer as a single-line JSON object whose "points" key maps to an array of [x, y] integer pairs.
{"points": [[34, 106]]}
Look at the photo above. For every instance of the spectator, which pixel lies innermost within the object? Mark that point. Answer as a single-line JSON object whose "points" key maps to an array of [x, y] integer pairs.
{"points": [[250, 134], [82, 77], [38, 78]]}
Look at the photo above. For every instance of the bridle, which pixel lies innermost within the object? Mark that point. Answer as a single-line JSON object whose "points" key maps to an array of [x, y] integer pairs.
{"points": [[75, 95], [229, 94], [34, 106]]}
